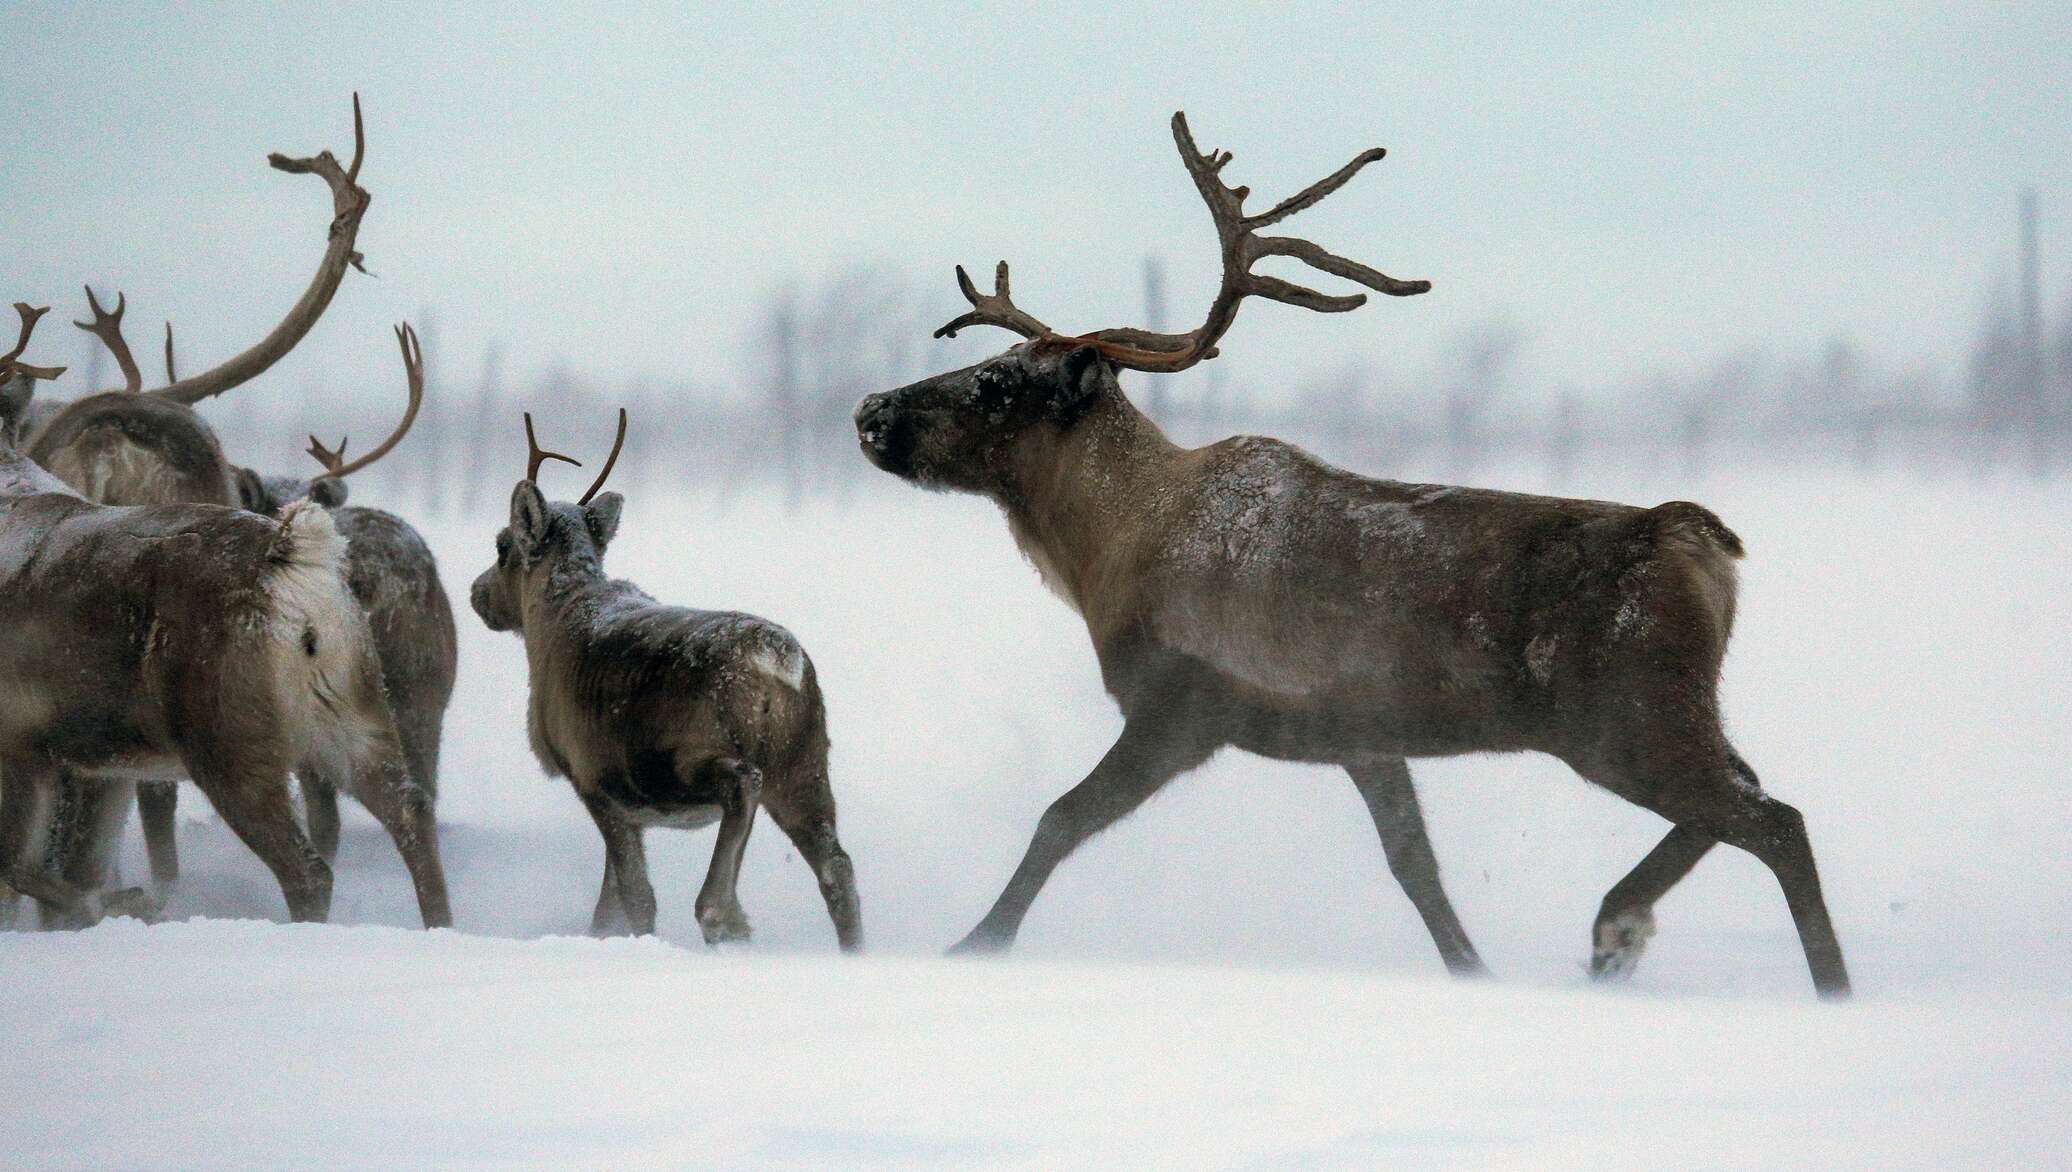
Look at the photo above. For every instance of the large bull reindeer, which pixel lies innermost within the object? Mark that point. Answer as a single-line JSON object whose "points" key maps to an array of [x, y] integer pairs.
{"points": [[396, 582], [132, 446], [190, 639], [1249, 594]]}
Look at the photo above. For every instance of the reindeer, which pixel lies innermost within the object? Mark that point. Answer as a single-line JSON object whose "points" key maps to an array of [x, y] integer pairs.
{"points": [[1249, 594], [661, 715], [194, 639], [395, 579], [131, 446]]}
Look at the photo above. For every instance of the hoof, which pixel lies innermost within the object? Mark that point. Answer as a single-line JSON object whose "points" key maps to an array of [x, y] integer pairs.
{"points": [[725, 927], [1620, 941], [135, 902], [981, 943]]}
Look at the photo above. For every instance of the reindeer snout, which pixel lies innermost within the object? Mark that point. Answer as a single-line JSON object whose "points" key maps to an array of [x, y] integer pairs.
{"points": [[870, 417]]}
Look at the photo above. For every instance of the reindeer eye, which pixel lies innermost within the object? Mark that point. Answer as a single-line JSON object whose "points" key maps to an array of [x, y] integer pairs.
{"points": [[503, 547]]}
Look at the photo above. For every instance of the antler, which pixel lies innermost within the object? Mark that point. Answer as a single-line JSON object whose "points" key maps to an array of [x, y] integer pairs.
{"points": [[1242, 247], [107, 327], [349, 202], [413, 370], [30, 315], [610, 460], [170, 375], [540, 455]]}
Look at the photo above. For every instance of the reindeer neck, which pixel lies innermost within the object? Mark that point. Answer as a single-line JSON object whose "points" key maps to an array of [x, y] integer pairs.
{"points": [[1077, 498]]}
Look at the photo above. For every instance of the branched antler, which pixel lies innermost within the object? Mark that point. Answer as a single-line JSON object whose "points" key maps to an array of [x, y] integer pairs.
{"points": [[540, 455], [1242, 247], [413, 370], [107, 326], [349, 203], [9, 367]]}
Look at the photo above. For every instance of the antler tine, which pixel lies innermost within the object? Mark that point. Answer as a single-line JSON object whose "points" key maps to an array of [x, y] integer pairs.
{"points": [[171, 376], [617, 443], [1241, 246], [9, 367], [995, 310], [413, 371], [540, 455], [30, 315], [349, 205], [107, 326]]}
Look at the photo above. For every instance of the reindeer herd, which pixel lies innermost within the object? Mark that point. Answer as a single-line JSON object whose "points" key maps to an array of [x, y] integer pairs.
{"points": [[173, 616]]}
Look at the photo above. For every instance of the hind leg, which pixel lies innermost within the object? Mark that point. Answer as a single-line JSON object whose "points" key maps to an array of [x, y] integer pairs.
{"points": [[28, 800], [320, 810], [808, 819], [100, 807], [382, 783], [157, 802], [1710, 797], [1626, 917], [254, 802], [740, 786]]}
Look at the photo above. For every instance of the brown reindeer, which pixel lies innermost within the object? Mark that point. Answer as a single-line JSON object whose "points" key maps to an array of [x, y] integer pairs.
{"points": [[1248, 594], [190, 639], [131, 446], [395, 579], [661, 715]]}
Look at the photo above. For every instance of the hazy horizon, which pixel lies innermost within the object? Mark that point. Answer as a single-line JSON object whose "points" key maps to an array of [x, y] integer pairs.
{"points": [[1633, 193]]}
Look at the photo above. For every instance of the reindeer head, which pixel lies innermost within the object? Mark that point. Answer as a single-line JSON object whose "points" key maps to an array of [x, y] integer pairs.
{"points": [[950, 431], [546, 540], [958, 430], [18, 379], [271, 494]]}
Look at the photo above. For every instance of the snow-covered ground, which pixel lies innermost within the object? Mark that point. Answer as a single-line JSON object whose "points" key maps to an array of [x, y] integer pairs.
{"points": [[1230, 978]]}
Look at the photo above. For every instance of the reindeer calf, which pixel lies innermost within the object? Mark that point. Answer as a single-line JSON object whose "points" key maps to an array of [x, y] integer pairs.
{"points": [[661, 715]]}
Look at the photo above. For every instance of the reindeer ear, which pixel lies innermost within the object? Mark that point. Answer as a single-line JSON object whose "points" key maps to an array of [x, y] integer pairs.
{"points": [[602, 516], [1080, 376], [528, 518], [251, 491], [328, 491]]}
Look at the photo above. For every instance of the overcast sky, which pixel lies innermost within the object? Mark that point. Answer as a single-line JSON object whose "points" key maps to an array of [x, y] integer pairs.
{"points": [[1636, 186]]}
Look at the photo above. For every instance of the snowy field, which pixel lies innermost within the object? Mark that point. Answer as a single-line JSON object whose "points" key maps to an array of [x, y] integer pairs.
{"points": [[1228, 979]]}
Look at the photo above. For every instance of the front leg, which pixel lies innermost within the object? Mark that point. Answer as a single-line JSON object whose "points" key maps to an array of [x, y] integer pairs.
{"points": [[1159, 742], [625, 859], [720, 916]]}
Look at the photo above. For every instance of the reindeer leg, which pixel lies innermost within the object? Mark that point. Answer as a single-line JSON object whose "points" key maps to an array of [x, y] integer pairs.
{"points": [[384, 786], [1157, 745], [156, 803], [101, 806], [1392, 801], [720, 916], [1626, 918], [320, 810], [28, 797], [625, 856], [1713, 795], [255, 803], [809, 821], [610, 918]]}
